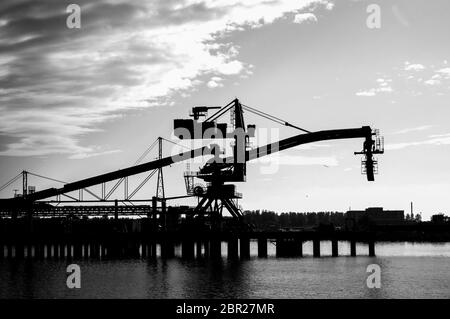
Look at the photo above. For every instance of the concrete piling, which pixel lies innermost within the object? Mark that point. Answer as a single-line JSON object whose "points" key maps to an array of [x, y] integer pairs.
{"points": [[352, 248], [56, 251], [289, 247], [188, 249], [9, 248], [298, 246], [144, 250], [244, 243], [206, 248], [62, 250], [167, 249], [215, 248], [103, 250], [40, 248], [198, 248], [20, 250], [372, 248], [152, 249], [233, 248], [29, 250], [69, 250], [86, 250], [262, 247], [77, 250], [316, 247], [95, 250], [334, 248]]}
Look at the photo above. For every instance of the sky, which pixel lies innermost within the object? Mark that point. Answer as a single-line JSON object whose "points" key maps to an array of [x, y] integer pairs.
{"points": [[76, 102]]}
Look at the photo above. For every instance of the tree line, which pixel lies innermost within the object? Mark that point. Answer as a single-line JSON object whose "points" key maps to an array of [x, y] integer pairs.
{"points": [[266, 220]]}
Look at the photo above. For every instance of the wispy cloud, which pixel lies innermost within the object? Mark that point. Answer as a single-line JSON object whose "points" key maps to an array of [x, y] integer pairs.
{"points": [[429, 77], [442, 139], [57, 84], [298, 160], [304, 17], [414, 129], [414, 67], [383, 87], [413, 79]]}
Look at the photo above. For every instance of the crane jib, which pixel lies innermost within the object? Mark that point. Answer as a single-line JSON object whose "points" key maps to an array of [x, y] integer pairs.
{"points": [[362, 132]]}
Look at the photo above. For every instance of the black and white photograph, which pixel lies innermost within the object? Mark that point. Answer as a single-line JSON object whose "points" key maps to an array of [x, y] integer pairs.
{"points": [[223, 155]]}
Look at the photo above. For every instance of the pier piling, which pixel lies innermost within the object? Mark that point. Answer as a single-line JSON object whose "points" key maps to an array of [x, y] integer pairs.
{"points": [[233, 248], [316, 248], [9, 249], [215, 249], [289, 247], [244, 243], [29, 250], [86, 250], [352, 248], [372, 248], [198, 248], [334, 248], [187, 249], [77, 250], [167, 249], [144, 250], [20, 250], [262, 247]]}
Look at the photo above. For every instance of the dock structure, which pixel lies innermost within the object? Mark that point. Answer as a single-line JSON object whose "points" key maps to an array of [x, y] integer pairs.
{"points": [[100, 239]]}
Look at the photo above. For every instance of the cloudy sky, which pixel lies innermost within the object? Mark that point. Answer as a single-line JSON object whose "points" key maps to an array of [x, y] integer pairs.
{"points": [[79, 102]]}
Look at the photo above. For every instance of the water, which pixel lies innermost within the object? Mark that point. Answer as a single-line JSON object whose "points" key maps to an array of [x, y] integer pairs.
{"points": [[407, 271]]}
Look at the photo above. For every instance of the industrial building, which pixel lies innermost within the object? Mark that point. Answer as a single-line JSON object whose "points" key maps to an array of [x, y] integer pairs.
{"points": [[375, 216]]}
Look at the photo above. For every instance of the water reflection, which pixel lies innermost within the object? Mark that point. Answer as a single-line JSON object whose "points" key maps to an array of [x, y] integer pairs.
{"points": [[422, 273]]}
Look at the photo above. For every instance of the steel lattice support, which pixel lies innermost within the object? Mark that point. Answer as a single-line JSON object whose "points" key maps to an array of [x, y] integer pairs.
{"points": [[160, 184]]}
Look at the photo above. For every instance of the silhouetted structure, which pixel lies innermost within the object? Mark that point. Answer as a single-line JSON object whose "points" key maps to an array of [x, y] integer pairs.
{"points": [[440, 219], [374, 216], [163, 223], [268, 220]]}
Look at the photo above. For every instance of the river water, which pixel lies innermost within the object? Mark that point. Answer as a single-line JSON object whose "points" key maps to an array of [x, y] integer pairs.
{"points": [[408, 270]]}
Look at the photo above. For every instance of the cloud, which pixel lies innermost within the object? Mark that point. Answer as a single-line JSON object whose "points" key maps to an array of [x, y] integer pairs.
{"points": [[304, 17], [437, 140], [414, 67], [370, 92], [59, 84], [383, 87], [298, 160], [329, 6], [434, 78], [215, 82], [414, 129], [445, 72], [93, 154], [432, 82], [431, 79]]}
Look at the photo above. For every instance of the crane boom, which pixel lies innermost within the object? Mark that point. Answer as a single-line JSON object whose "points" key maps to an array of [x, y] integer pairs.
{"points": [[363, 132], [96, 180]]}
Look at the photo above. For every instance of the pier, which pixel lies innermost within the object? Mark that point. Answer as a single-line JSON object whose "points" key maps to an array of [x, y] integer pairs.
{"points": [[127, 238]]}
